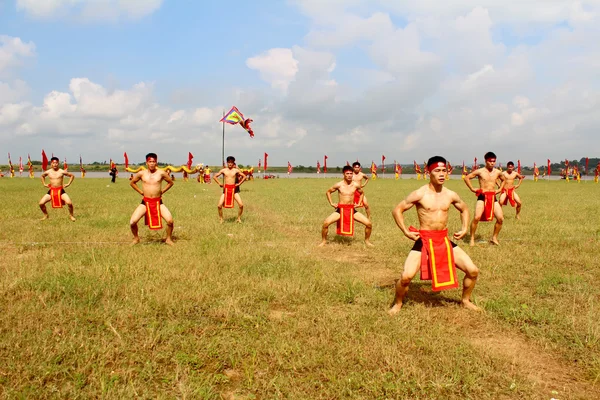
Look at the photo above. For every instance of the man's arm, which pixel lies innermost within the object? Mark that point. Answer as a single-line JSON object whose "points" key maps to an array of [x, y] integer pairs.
{"points": [[461, 206], [133, 183], [361, 192], [215, 176], [170, 183], [71, 178], [366, 178], [328, 194], [468, 180], [521, 177], [502, 184], [398, 214], [43, 178]]}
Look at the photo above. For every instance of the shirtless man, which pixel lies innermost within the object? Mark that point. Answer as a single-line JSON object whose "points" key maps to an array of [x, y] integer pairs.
{"points": [[433, 202], [486, 207], [358, 178], [346, 189], [509, 193], [233, 178], [56, 193], [152, 206]]}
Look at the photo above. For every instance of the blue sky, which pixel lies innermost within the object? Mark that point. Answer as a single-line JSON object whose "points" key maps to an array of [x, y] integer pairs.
{"points": [[351, 79]]}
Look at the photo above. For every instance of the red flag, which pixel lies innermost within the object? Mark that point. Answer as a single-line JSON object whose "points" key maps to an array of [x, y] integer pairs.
{"points": [[325, 164], [20, 165], [475, 165], [347, 163], [382, 163], [266, 155], [65, 166], [548, 169], [80, 163], [44, 161], [519, 167], [126, 160], [190, 158], [587, 161], [289, 168], [318, 167]]}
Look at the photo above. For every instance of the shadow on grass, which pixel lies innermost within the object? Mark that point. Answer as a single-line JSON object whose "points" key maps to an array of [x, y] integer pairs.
{"points": [[420, 292]]}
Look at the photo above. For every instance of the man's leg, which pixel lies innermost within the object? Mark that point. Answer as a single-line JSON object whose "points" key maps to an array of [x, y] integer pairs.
{"points": [[368, 226], [133, 221], [479, 206], [220, 207], [237, 198], [328, 221], [519, 204], [46, 198], [499, 220], [465, 264], [65, 197], [503, 196], [367, 208], [166, 214], [411, 266]]}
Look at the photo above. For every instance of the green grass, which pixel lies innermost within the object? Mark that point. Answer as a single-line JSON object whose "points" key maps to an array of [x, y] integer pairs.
{"points": [[257, 310]]}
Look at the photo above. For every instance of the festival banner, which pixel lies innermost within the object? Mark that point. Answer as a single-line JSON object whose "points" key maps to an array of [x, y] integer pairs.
{"points": [[382, 163], [290, 168], [548, 169], [126, 160], [266, 156], [519, 167], [234, 116], [325, 164], [190, 159], [44, 161], [318, 167], [65, 165], [20, 165]]}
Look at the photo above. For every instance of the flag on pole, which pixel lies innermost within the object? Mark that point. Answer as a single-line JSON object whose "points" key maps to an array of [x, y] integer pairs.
{"points": [[382, 163], [325, 164], [234, 116], [266, 156], [44, 160], [475, 165], [126, 160], [373, 168], [259, 161], [519, 167], [587, 161], [190, 159], [548, 169], [318, 167], [20, 165], [290, 168], [65, 166]]}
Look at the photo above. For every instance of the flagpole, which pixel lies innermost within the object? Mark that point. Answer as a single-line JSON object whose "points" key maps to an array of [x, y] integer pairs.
{"points": [[223, 143]]}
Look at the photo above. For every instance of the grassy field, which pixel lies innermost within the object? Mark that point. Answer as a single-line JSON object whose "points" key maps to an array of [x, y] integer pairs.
{"points": [[257, 310]]}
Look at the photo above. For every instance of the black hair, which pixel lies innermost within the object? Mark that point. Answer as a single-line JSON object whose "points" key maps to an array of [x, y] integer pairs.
{"points": [[355, 164], [508, 164], [153, 155], [54, 158], [346, 168], [489, 154], [436, 159], [231, 159]]}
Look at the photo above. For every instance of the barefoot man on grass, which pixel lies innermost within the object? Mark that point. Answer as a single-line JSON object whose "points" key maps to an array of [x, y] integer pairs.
{"points": [[433, 253], [57, 192], [232, 178], [487, 206], [344, 213], [509, 193], [358, 177], [152, 207]]}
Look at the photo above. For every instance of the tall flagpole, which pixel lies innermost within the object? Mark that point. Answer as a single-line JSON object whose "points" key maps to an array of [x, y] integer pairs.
{"points": [[223, 143]]}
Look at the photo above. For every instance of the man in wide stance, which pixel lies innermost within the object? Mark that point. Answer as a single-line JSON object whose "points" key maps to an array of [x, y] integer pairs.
{"points": [[152, 207], [433, 253], [509, 193], [56, 191], [344, 213]]}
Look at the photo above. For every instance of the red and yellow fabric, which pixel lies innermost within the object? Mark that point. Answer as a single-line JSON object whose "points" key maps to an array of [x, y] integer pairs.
{"points": [[345, 225], [153, 217], [488, 205], [229, 191], [437, 260], [358, 200], [55, 193], [510, 197]]}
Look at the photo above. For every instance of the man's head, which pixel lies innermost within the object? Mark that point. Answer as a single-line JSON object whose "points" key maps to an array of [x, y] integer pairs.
{"points": [[510, 166], [230, 162], [490, 160], [348, 172], [54, 161], [436, 166], [356, 167], [151, 159]]}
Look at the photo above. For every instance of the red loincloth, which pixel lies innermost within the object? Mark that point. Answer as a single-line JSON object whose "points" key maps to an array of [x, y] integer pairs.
{"points": [[357, 199], [510, 197], [437, 260], [55, 196], [229, 191], [153, 217], [345, 225], [488, 205]]}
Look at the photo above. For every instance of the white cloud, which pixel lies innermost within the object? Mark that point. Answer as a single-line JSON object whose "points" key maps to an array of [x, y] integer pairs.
{"points": [[89, 10], [276, 66], [12, 52]]}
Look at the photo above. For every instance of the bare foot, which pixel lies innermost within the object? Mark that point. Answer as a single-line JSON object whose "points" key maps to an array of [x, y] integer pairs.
{"points": [[72, 218], [44, 217], [169, 242], [220, 220], [395, 309], [472, 242], [468, 305], [239, 221], [323, 243], [494, 242], [517, 217], [369, 244], [136, 240]]}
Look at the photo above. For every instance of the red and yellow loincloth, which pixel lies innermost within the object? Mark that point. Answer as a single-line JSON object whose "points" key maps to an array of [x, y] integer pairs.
{"points": [[437, 260], [229, 192], [510, 196], [358, 201], [345, 225], [55, 196], [488, 204], [153, 216]]}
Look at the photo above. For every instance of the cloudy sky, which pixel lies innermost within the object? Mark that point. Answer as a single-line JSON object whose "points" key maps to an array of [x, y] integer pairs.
{"points": [[347, 78]]}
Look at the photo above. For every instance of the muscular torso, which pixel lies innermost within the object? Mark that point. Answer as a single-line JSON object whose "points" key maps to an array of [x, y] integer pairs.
{"points": [[346, 192], [509, 179], [358, 178], [152, 183], [55, 178], [487, 179], [433, 207], [230, 175]]}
